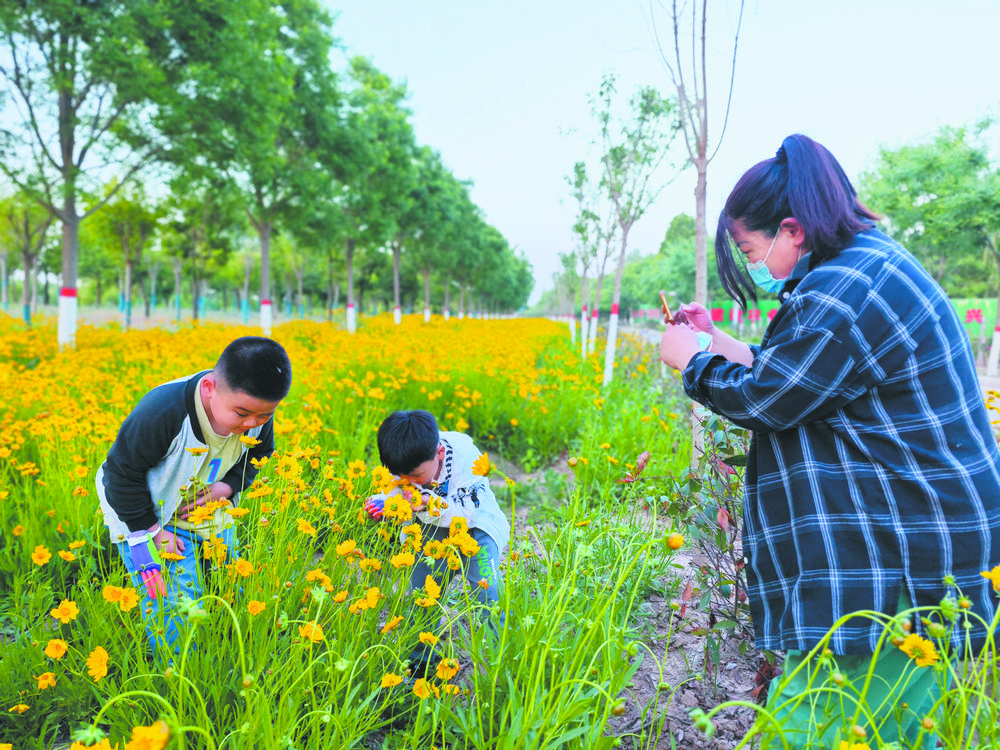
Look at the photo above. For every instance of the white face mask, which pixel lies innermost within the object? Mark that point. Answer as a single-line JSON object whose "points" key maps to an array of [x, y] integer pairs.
{"points": [[761, 275]]}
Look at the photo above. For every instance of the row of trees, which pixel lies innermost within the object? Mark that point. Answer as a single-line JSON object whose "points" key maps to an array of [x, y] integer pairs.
{"points": [[940, 197], [637, 155], [175, 128]]}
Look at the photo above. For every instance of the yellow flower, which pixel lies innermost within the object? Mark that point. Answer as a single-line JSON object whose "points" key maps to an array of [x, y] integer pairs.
{"points": [[402, 560], [390, 680], [514, 423], [483, 583], [372, 597], [481, 466], [97, 663], [920, 650], [844, 745], [149, 738], [347, 548], [312, 631], [435, 549], [170, 556], [422, 689], [46, 680], [392, 624], [104, 744], [458, 526], [249, 440], [370, 564], [129, 600], [382, 479], [431, 587], [112, 594], [994, 576], [675, 541], [197, 451], [340, 597], [356, 469], [41, 555], [447, 668], [255, 607], [67, 556], [236, 512], [468, 545], [398, 508], [429, 638], [66, 611], [17, 530], [56, 649], [19, 708], [243, 567]]}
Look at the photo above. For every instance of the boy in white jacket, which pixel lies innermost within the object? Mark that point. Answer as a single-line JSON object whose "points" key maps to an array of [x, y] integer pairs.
{"points": [[440, 466]]}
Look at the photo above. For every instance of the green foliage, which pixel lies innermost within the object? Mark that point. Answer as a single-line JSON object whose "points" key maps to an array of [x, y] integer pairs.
{"points": [[940, 199]]}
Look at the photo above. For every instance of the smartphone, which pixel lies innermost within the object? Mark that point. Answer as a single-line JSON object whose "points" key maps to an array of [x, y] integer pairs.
{"points": [[666, 308]]}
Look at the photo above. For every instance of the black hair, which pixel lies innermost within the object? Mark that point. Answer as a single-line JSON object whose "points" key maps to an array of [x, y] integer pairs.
{"points": [[407, 439], [802, 180], [256, 366]]}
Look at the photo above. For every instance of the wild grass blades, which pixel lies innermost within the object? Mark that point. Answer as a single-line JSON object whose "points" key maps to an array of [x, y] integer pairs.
{"points": [[303, 624]]}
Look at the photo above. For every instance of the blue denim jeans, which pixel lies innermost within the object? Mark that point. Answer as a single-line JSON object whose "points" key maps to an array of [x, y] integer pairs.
{"points": [[483, 566], [179, 577]]}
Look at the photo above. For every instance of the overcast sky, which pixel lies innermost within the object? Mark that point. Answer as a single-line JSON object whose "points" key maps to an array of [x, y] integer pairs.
{"points": [[500, 89]]}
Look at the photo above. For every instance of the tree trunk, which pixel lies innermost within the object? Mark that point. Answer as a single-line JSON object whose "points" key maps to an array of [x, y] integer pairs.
{"points": [[610, 351], [583, 316], [427, 294], [4, 289], [28, 263], [352, 313], [397, 252], [177, 288], [127, 291], [700, 229], [66, 327], [264, 229]]}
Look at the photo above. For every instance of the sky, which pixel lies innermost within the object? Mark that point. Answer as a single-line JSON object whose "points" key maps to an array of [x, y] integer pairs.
{"points": [[501, 90]]}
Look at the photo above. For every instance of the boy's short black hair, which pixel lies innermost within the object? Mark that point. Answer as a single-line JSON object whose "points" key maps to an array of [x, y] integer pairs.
{"points": [[407, 439], [256, 366]]}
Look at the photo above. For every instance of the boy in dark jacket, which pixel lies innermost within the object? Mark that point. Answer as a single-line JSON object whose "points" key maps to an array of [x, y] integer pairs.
{"points": [[180, 460]]}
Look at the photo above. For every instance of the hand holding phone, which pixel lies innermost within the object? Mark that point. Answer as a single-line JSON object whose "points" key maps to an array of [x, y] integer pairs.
{"points": [[666, 309]]}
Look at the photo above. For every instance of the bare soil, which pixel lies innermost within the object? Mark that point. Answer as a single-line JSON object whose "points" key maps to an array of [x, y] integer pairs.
{"points": [[681, 677]]}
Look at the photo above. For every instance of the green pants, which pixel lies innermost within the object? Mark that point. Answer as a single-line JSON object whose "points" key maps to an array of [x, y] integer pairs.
{"points": [[898, 697]]}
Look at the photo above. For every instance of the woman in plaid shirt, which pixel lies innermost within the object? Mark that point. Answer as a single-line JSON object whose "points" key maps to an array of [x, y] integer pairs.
{"points": [[873, 473]]}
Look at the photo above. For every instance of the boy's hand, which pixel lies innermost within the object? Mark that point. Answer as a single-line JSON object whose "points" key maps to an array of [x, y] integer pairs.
{"points": [[419, 503], [374, 507], [216, 491], [146, 561]]}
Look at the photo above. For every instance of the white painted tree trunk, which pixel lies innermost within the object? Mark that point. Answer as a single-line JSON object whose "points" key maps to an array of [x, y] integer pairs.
{"points": [[609, 352], [571, 322], [397, 315], [427, 315], [352, 318], [584, 320], [266, 316], [447, 314], [66, 326]]}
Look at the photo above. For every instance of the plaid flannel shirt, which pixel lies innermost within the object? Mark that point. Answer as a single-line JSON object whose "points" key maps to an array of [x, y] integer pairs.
{"points": [[872, 462]]}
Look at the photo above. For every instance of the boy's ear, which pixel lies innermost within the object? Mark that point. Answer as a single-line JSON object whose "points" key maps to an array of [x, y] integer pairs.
{"points": [[208, 385], [440, 451]]}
